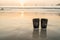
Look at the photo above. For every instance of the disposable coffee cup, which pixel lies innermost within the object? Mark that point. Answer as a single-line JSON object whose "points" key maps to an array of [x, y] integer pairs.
{"points": [[44, 22], [36, 23]]}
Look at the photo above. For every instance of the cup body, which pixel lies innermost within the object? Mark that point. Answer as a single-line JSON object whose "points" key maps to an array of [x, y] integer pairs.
{"points": [[36, 23], [44, 23]]}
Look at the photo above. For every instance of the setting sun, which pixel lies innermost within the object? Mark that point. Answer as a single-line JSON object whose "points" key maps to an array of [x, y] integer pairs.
{"points": [[22, 2]]}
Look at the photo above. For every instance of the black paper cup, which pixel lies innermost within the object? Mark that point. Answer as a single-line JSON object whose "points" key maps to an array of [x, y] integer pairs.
{"points": [[44, 22], [36, 23]]}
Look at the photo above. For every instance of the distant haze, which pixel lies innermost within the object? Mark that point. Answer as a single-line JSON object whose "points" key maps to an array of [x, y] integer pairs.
{"points": [[29, 2]]}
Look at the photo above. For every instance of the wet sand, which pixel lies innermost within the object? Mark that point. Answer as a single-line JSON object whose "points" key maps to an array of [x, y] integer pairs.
{"points": [[18, 26]]}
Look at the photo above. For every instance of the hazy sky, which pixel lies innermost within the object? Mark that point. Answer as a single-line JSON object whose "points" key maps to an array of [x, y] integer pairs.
{"points": [[28, 2]]}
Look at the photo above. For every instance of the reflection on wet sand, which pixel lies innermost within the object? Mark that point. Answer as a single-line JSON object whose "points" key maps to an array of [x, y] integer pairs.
{"points": [[42, 35], [35, 34]]}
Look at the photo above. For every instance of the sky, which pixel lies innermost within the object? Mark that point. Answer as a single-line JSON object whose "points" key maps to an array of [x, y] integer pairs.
{"points": [[29, 2]]}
